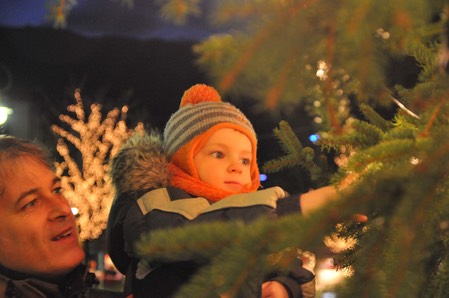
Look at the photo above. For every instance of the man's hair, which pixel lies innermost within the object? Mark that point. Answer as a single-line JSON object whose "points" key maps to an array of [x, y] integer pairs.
{"points": [[12, 148]]}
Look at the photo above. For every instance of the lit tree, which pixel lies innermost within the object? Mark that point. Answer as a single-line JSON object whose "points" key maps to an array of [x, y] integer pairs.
{"points": [[323, 54], [85, 181]]}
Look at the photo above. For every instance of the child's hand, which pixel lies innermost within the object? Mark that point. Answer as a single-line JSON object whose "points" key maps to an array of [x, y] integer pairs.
{"points": [[274, 289]]}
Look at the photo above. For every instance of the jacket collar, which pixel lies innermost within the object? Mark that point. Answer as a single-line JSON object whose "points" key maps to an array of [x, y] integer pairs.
{"points": [[76, 281]]}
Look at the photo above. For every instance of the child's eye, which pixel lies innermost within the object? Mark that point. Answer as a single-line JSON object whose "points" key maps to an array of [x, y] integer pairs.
{"points": [[57, 190], [217, 154], [246, 161]]}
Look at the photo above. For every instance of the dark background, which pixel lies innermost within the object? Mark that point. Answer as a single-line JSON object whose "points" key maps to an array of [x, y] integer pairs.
{"points": [[41, 68], [124, 56]]}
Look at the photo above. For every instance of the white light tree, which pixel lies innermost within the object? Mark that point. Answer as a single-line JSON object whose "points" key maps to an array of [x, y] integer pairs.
{"points": [[85, 180]]}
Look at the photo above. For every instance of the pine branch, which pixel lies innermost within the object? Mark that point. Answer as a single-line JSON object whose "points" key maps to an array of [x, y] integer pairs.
{"points": [[360, 135], [288, 139], [283, 162], [251, 244], [281, 18], [374, 118], [295, 154]]}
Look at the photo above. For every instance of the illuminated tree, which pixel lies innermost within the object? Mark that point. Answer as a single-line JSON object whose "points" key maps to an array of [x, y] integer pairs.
{"points": [[85, 175], [345, 62]]}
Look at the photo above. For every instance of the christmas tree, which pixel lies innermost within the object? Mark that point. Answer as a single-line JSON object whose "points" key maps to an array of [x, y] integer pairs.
{"points": [[334, 58]]}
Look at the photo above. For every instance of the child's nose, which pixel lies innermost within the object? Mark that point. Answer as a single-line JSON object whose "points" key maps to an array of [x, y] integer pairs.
{"points": [[235, 167]]}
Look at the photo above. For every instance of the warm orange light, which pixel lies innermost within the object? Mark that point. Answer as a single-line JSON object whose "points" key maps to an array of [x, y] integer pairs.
{"points": [[86, 182]]}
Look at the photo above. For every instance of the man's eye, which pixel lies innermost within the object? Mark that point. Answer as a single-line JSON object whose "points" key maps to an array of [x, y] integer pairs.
{"points": [[29, 205], [57, 190]]}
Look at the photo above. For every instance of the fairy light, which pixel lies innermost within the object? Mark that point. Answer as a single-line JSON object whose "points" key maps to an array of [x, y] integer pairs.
{"points": [[314, 138], [327, 276], [382, 33], [318, 119], [322, 71], [337, 244], [414, 160], [87, 184], [75, 211]]}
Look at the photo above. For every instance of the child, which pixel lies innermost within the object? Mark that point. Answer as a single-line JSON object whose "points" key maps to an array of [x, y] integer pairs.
{"points": [[204, 170]]}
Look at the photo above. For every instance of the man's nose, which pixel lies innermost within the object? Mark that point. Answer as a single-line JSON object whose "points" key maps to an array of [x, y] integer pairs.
{"points": [[60, 208]]}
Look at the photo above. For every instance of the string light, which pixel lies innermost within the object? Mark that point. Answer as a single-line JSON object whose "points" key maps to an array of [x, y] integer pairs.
{"points": [[414, 160], [86, 182], [382, 33], [314, 137], [322, 71]]}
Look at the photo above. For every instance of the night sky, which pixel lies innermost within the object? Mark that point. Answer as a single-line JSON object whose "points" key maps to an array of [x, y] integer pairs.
{"points": [[22, 13], [107, 17]]}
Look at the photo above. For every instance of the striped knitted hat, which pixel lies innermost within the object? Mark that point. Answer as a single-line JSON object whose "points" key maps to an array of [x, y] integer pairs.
{"points": [[201, 113], [201, 108]]}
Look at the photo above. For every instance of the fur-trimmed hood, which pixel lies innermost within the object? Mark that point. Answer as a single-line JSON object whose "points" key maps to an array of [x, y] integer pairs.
{"points": [[140, 164]]}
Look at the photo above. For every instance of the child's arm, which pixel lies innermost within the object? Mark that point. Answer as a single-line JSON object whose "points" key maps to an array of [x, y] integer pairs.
{"points": [[274, 289], [314, 199]]}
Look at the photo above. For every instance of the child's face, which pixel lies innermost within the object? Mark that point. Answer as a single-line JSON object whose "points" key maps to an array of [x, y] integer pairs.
{"points": [[224, 160]]}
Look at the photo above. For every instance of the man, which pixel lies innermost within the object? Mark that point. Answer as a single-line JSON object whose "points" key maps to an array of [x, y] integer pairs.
{"points": [[40, 255]]}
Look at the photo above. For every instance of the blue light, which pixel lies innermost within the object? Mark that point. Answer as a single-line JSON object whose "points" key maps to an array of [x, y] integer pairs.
{"points": [[263, 177], [313, 138], [329, 295]]}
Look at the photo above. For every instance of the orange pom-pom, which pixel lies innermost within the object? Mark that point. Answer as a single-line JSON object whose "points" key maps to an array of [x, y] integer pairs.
{"points": [[200, 93]]}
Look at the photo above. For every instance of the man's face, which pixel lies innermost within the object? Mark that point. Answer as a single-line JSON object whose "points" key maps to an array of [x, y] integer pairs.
{"points": [[38, 232], [224, 161]]}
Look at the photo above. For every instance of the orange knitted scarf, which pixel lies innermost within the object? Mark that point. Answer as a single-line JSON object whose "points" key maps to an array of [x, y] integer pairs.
{"points": [[196, 187]]}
